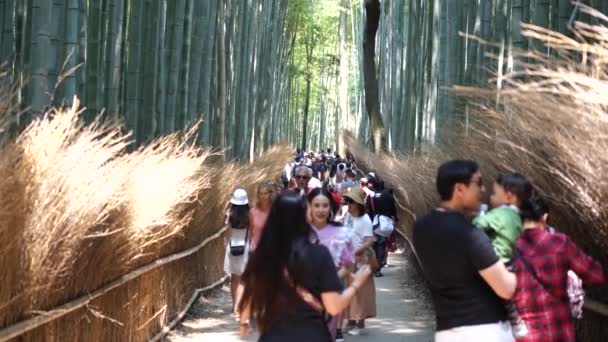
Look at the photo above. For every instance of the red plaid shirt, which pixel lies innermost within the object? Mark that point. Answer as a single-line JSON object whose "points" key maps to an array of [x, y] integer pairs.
{"points": [[545, 307]]}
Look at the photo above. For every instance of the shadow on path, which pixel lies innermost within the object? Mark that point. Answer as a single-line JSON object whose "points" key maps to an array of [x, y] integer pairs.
{"points": [[404, 311]]}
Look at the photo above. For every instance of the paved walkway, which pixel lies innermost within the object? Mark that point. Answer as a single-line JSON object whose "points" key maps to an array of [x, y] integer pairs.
{"points": [[404, 311]]}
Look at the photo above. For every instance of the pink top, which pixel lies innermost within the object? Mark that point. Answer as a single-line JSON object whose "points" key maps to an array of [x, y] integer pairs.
{"points": [[339, 242], [258, 220]]}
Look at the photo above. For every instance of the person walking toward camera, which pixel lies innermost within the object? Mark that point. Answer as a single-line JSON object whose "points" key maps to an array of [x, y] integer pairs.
{"points": [[259, 213], [237, 249], [466, 278], [290, 282], [364, 303]]}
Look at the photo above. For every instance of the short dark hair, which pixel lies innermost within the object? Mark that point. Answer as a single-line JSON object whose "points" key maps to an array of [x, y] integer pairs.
{"points": [[452, 172], [515, 183]]}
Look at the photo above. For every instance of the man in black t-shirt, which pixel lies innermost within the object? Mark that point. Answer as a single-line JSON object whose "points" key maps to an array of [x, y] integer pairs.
{"points": [[466, 278]]}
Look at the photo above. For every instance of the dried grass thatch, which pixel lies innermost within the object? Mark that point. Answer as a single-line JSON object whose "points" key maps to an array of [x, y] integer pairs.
{"points": [[78, 212], [549, 121], [411, 177]]}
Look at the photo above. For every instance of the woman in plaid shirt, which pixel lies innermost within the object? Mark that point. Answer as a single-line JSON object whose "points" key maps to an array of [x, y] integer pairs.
{"points": [[542, 260]]}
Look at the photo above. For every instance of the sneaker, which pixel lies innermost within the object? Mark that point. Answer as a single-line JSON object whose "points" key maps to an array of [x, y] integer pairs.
{"points": [[350, 325], [378, 274], [354, 331], [339, 336]]}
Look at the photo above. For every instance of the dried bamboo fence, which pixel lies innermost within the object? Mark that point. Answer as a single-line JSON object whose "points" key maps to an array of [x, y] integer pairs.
{"points": [[98, 244], [549, 120]]}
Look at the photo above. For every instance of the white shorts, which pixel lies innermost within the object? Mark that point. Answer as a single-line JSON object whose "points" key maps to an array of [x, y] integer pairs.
{"points": [[235, 264], [493, 332]]}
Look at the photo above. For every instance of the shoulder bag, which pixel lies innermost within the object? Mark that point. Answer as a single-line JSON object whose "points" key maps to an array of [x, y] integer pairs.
{"points": [[576, 293], [240, 249]]}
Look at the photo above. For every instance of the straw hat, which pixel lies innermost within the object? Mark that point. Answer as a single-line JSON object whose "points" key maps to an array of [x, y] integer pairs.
{"points": [[239, 197], [356, 194]]}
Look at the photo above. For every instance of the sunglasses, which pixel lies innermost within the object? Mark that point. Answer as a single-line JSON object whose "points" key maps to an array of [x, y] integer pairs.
{"points": [[349, 200], [479, 181], [302, 177]]}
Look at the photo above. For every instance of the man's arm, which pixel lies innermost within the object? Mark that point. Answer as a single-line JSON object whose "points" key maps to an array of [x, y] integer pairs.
{"points": [[500, 279], [489, 266]]}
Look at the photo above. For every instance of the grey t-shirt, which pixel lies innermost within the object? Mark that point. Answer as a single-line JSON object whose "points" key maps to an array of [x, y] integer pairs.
{"points": [[452, 251]]}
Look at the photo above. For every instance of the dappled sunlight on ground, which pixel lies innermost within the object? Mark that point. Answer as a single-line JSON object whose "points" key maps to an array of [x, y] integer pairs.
{"points": [[404, 312]]}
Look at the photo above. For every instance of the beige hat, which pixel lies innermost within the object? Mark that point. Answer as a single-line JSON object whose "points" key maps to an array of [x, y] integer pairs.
{"points": [[356, 194]]}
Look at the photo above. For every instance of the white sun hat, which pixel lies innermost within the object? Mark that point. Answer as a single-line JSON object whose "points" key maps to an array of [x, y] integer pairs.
{"points": [[314, 183], [239, 197]]}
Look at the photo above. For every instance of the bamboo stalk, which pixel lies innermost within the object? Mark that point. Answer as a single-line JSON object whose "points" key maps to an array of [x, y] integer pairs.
{"points": [[40, 46], [134, 65], [114, 57], [174, 65], [71, 48]]}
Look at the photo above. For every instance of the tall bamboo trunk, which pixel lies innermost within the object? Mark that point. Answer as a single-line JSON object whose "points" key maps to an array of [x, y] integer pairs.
{"points": [[40, 60], [372, 9], [343, 120], [219, 129]]}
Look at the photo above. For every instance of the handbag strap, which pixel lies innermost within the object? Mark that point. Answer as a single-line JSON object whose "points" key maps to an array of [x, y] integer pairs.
{"points": [[246, 237], [532, 271]]}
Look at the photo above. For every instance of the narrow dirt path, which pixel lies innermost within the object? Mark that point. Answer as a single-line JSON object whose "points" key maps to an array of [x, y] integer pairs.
{"points": [[404, 311]]}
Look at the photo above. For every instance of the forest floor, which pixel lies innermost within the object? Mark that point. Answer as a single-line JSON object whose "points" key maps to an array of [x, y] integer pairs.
{"points": [[405, 312]]}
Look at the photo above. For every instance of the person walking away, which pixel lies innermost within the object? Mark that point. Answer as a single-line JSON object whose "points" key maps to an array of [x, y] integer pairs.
{"points": [[542, 261], [364, 303], [336, 238], [318, 169], [466, 278], [260, 211], [289, 281], [237, 249], [380, 205]]}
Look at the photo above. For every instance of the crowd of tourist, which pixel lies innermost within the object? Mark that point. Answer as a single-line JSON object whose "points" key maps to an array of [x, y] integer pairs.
{"points": [[303, 258]]}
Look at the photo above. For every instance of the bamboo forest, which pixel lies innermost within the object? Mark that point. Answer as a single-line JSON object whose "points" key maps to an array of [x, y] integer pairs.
{"points": [[133, 133]]}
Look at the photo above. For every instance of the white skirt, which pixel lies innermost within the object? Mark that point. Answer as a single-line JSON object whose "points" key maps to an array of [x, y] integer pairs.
{"points": [[235, 264]]}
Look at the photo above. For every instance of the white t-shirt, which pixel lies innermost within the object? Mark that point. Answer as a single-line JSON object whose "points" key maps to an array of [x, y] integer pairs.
{"points": [[362, 228]]}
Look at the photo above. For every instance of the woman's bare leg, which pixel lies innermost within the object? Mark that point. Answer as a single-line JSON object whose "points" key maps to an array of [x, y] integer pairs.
{"points": [[235, 280]]}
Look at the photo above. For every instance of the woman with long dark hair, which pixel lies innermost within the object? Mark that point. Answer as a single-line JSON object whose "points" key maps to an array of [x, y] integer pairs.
{"points": [[289, 281], [237, 249]]}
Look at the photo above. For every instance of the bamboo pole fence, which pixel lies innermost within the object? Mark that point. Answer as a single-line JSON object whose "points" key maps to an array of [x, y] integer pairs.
{"points": [[22, 327]]}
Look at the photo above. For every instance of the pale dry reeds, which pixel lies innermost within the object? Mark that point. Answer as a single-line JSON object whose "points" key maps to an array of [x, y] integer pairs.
{"points": [[411, 176], [551, 122], [78, 211]]}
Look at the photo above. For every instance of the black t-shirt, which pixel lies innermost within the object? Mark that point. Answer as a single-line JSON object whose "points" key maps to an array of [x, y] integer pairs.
{"points": [[381, 203], [300, 321], [318, 167], [452, 251]]}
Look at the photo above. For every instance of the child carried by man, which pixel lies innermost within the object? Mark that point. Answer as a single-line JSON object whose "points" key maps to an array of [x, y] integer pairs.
{"points": [[503, 225]]}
